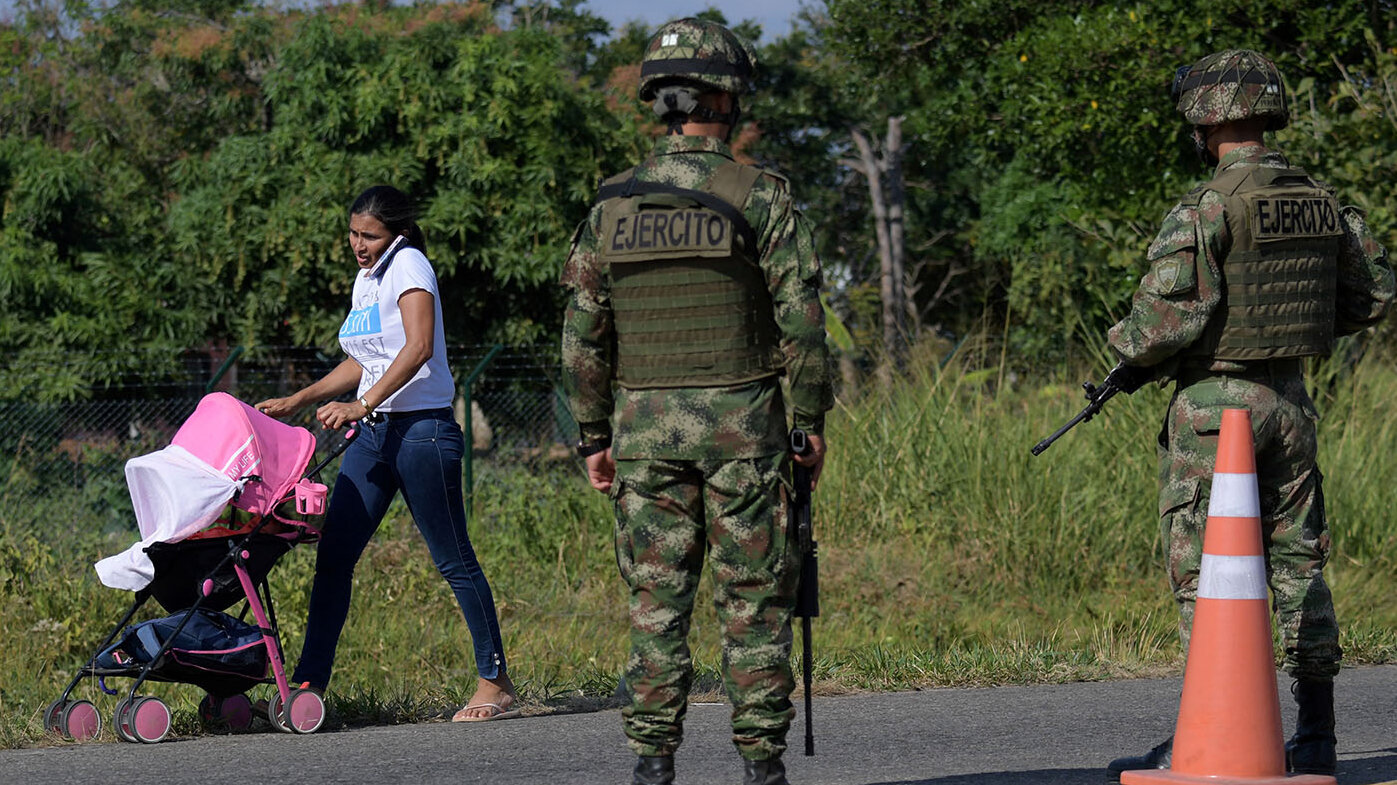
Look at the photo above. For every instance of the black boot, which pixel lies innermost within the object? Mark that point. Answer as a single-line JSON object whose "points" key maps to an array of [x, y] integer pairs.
{"points": [[1157, 758], [1311, 749], [764, 772], [654, 770]]}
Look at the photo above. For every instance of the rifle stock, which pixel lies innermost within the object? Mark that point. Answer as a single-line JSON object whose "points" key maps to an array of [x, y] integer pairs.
{"points": [[808, 594]]}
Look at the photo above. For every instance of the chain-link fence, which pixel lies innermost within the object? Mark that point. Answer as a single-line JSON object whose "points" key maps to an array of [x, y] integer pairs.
{"points": [[62, 464]]}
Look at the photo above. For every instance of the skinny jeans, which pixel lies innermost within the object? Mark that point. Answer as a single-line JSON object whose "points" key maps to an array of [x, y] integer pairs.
{"points": [[420, 454]]}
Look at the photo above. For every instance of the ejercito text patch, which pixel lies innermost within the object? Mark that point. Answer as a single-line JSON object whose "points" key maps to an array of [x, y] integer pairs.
{"points": [[669, 230], [1294, 217]]}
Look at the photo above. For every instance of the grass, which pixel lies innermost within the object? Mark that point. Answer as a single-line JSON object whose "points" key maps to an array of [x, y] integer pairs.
{"points": [[949, 556]]}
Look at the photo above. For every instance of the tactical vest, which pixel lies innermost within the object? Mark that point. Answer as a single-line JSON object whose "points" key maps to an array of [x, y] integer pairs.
{"points": [[1281, 272], [690, 303]]}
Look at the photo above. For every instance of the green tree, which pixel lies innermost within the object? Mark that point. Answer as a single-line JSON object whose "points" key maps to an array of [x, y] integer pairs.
{"points": [[1047, 138], [176, 173]]}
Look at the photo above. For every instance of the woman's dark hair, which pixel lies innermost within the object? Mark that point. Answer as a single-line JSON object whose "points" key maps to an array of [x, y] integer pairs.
{"points": [[395, 209]]}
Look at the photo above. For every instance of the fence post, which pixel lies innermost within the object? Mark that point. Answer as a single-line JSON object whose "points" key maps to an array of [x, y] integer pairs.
{"points": [[222, 369], [468, 460]]}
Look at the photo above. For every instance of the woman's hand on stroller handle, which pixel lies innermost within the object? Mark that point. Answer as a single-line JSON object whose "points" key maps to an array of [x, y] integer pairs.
{"points": [[336, 415]]}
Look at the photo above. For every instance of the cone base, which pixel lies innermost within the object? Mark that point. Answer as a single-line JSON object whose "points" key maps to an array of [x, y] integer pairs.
{"points": [[1157, 776]]}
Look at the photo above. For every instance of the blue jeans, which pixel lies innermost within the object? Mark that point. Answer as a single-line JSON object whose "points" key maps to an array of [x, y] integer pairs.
{"points": [[420, 454]]}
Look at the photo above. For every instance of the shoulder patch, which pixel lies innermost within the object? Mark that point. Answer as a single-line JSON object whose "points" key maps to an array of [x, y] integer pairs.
{"points": [[1172, 276], [1172, 253]]}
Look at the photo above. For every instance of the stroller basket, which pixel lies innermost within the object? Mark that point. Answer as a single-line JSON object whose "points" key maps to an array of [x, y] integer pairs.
{"points": [[212, 650]]}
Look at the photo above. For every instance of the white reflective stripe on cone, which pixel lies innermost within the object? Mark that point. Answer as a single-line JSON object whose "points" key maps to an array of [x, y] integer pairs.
{"points": [[1232, 578], [1234, 496]]}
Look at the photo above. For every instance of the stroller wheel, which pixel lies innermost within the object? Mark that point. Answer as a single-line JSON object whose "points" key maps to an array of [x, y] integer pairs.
{"points": [[80, 721], [147, 720], [231, 713], [275, 713], [306, 711], [237, 712], [121, 722], [53, 716], [209, 711]]}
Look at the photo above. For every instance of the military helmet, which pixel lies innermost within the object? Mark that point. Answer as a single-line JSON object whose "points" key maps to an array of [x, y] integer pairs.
{"points": [[1234, 84], [698, 53]]}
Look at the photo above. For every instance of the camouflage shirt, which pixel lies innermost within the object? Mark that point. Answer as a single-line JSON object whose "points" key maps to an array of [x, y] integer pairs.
{"points": [[1184, 286], [701, 423]]}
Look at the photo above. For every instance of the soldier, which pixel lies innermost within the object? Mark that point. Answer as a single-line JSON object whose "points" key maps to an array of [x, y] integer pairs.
{"points": [[694, 286], [1251, 273]]}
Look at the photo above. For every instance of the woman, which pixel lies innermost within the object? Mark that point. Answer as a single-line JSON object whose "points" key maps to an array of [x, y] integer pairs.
{"points": [[398, 372]]}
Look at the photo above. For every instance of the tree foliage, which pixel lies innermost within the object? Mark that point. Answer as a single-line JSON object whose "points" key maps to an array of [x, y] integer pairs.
{"points": [[176, 173], [1044, 140]]}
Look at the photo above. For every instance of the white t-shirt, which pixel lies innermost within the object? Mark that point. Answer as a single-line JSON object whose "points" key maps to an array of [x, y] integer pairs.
{"points": [[373, 332]]}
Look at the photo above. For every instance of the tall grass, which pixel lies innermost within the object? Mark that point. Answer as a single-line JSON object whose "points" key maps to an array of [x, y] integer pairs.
{"points": [[949, 555]]}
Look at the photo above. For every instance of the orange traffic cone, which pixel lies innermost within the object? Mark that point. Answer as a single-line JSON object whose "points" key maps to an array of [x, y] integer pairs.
{"points": [[1229, 727]]}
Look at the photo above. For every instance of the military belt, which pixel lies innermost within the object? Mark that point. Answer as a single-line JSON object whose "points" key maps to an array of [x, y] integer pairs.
{"points": [[1261, 371]]}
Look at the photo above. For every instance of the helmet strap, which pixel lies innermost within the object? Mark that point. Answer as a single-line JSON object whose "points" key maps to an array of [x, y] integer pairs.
{"points": [[1200, 145], [679, 104], [733, 117]]}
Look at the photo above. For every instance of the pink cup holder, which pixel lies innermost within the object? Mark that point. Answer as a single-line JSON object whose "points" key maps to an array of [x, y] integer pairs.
{"points": [[310, 497]]}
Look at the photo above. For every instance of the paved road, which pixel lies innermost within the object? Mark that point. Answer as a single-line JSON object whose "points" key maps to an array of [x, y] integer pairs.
{"points": [[1001, 736]]}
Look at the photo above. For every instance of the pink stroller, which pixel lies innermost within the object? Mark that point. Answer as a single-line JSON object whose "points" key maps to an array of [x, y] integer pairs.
{"points": [[215, 514]]}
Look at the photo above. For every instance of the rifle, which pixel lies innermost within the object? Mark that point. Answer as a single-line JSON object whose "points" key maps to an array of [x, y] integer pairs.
{"points": [[808, 594], [1123, 378]]}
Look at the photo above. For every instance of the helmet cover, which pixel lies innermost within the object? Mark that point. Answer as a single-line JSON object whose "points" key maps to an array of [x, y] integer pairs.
{"points": [[1234, 84], [695, 52]]}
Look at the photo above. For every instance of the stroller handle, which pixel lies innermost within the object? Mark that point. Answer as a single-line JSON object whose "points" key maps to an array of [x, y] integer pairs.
{"points": [[349, 437]]}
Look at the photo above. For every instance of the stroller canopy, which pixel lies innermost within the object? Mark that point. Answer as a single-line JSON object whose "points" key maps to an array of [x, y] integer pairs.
{"points": [[242, 443], [226, 451]]}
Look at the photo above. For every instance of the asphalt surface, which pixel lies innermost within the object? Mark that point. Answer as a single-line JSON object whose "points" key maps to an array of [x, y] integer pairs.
{"points": [[995, 736]]}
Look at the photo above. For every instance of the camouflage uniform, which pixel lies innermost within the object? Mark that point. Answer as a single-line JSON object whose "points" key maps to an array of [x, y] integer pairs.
{"points": [[1182, 293], [701, 467]]}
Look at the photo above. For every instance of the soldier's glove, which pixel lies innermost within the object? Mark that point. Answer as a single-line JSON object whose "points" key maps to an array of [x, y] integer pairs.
{"points": [[1129, 378]]}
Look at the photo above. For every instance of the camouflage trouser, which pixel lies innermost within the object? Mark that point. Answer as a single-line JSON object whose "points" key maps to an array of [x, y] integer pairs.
{"points": [[667, 513], [1293, 526]]}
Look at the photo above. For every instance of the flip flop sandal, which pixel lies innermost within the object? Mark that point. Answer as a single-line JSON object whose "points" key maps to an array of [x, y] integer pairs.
{"points": [[498, 714]]}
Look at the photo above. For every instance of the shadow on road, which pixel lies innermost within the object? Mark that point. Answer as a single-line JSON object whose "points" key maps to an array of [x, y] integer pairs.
{"points": [[1379, 769], [1038, 777], [1375, 767]]}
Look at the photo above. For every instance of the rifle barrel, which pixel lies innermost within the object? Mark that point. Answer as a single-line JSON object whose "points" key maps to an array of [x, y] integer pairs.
{"points": [[807, 603], [1104, 393], [809, 728], [1072, 423]]}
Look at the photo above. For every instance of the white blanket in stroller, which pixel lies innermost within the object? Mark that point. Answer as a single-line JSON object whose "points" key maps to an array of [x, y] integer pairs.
{"points": [[175, 495]]}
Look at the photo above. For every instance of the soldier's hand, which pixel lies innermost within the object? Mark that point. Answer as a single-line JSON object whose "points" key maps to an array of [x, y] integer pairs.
{"points": [[1129, 378], [814, 459], [601, 470]]}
